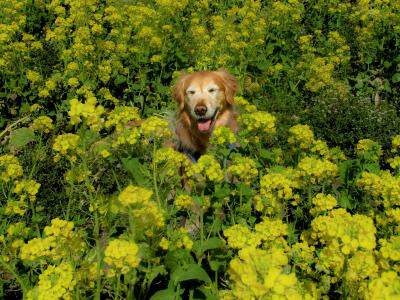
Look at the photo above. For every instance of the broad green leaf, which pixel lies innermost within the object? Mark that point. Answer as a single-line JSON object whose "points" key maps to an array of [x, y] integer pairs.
{"points": [[136, 169], [211, 243], [190, 272], [21, 137], [167, 294], [396, 78]]}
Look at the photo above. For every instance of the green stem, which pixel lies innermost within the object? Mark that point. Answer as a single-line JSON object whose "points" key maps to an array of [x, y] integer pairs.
{"points": [[96, 234], [154, 175], [15, 274], [13, 125], [118, 287]]}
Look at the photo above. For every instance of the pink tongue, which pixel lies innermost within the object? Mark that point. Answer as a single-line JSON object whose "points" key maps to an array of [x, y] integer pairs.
{"points": [[204, 126]]}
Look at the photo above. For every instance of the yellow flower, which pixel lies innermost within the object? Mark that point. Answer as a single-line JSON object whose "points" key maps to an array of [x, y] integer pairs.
{"points": [[9, 168], [322, 203], [301, 136], [184, 202], [121, 116], [155, 128], [66, 144], [43, 123], [386, 286], [368, 149], [206, 168], [33, 76], [222, 136], [132, 195], [121, 256], [56, 282], [315, 170], [243, 168], [164, 243]]}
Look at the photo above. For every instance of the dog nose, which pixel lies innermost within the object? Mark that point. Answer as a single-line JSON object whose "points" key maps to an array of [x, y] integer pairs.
{"points": [[200, 110]]}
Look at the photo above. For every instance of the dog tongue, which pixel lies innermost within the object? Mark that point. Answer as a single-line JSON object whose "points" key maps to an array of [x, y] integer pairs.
{"points": [[204, 126]]}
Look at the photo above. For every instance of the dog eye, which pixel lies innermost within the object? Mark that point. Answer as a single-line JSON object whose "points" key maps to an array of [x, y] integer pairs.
{"points": [[191, 92], [212, 90]]}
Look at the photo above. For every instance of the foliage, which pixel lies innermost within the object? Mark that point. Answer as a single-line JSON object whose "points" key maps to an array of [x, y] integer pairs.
{"points": [[93, 203]]}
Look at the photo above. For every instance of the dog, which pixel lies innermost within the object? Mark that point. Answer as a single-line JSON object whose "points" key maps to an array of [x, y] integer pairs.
{"points": [[205, 101]]}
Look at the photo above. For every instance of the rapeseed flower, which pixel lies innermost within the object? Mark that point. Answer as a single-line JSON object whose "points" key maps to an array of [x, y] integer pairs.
{"points": [[368, 150], [301, 136], [132, 195], [66, 144], [322, 203], [222, 136], [316, 171], [9, 168], [257, 274], [170, 162], [43, 124], [184, 202], [206, 168], [121, 116], [27, 188], [386, 287], [155, 128], [121, 256], [56, 282], [243, 168]]}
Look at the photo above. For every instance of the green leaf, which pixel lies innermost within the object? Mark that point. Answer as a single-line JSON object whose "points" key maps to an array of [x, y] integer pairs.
{"points": [[119, 80], [136, 169], [396, 78], [167, 294], [21, 137], [211, 243], [221, 191], [190, 272]]}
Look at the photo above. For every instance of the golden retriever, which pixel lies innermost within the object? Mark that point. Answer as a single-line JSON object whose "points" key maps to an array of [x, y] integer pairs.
{"points": [[205, 101]]}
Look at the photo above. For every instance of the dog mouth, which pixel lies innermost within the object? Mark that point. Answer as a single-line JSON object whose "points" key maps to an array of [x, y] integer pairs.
{"points": [[205, 124]]}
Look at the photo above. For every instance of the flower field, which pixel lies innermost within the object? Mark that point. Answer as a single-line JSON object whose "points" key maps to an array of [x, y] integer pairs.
{"points": [[95, 205]]}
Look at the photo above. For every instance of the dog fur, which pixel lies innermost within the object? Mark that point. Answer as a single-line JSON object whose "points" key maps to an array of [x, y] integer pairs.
{"points": [[205, 101]]}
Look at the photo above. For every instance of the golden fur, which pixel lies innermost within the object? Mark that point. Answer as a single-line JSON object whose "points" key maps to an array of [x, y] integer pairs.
{"points": [[205, 100]]}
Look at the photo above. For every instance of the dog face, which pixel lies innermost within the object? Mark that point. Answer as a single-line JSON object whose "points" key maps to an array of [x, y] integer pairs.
{"points": [[204, 96]]}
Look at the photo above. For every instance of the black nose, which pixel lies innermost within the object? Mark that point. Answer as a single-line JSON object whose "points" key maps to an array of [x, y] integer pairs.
{"points": [[200, 110]]}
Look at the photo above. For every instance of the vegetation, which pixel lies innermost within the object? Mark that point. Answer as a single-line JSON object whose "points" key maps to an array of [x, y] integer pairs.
{"points": [[94, 206]]}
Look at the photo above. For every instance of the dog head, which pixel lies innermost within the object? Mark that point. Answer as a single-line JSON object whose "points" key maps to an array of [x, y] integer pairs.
{"points": [[204, 95]]}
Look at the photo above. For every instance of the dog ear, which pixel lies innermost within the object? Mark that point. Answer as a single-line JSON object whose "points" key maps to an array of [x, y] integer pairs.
{"points": [[230, 83], [178, 91]]}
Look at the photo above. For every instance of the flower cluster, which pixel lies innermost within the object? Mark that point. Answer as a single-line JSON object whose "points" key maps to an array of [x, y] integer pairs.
{"points": [[277, 189], [258, 273], [10, 168], [43, 124], [121, 116], [243, 168], [27, 188], [385, 187], [60, 240], [222, 136], [56, 282], [301, 136], [137, 202], [315, 170], [206, 168], [66, 145], [170, 162], [121, 256], [88, 110], [155, 128], [184, 202], [258, 125], [322, 203], [368, 149]]}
